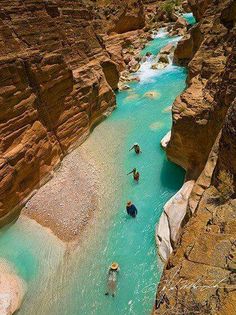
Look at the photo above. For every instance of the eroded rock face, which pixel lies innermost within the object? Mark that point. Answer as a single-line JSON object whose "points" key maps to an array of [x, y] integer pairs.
{"points": [[130, 17], [227, 149], [199, 276], [116, 16], [199, 7], [201, 109], [57, 80]]}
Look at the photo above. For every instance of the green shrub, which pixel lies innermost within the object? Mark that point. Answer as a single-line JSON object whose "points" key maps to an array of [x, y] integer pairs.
{"points": [[169, 5]]}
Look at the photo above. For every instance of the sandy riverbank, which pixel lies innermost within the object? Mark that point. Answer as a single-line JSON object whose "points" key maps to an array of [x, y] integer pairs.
{"points": [[78, 189]]}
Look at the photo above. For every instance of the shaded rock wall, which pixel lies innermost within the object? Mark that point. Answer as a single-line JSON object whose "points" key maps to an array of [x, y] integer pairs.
{"points": [[56, 81], [227, 150], [198, 114]]}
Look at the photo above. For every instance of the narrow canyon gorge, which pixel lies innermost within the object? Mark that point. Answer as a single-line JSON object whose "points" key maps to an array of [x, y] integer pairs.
{"points": [[67, 65]]}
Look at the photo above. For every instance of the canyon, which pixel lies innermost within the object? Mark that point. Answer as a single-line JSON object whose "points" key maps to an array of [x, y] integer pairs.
{"points": [[61, 63], [58, 77]]}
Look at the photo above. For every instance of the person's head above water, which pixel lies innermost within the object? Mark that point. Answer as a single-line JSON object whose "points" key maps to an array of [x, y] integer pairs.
{"points": [[114, 266], [129, 203]]}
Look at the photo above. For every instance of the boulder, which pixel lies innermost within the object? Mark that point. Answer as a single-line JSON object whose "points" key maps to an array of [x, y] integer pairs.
{"points": [[168, 228], [180, 23], [130, 16], [135, 68], [163, 58], [184, 50], [165, 140], [12, 290], [168, 49], [158, 66]]}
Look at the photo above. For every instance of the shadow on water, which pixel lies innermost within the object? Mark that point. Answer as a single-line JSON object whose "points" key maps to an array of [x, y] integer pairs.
{"points": [[172, 175]]}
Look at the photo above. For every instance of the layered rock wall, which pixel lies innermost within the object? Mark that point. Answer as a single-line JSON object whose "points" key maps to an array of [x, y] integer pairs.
{"points": [[198, 114], [199, 276], [57, 80]]}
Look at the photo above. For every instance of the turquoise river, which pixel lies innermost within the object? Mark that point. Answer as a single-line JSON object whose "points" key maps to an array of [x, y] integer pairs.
{"points": [[62, 280]]}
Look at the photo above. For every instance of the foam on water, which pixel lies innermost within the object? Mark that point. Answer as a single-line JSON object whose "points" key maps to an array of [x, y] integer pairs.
{"points": [[160, 34]]}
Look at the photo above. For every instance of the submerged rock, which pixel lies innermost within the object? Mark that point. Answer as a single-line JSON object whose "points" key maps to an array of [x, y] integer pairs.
{"points": [[133, 96], [156, 125], [152, 94]]}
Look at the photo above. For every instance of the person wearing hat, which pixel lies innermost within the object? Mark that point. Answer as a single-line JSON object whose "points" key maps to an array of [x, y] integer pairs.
{"points": [[131, 209], [135, 174], [112, 279], [136, 148]]}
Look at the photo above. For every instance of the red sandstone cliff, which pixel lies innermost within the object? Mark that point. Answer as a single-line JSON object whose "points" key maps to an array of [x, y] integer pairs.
{"points": [[56, 81], [199, 276], [198, 114]]}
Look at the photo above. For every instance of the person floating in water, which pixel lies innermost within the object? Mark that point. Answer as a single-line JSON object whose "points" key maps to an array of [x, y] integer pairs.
{"points": [[112, 279], [136, 148], [135, 174], [131, 209]]}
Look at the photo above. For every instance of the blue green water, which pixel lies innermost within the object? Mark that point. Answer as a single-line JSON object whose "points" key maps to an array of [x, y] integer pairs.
{"points": [[76, 284], [157, 43], [189, 17]]}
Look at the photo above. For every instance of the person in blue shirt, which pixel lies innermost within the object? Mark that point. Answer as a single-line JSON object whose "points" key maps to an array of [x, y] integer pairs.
{"points": [[131, 209]]}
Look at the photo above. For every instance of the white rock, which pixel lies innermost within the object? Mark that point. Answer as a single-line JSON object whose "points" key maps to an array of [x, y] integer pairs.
{"points": [[167, 230], [165, 140], [163, 237], [5, 304], [12, 289]]}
